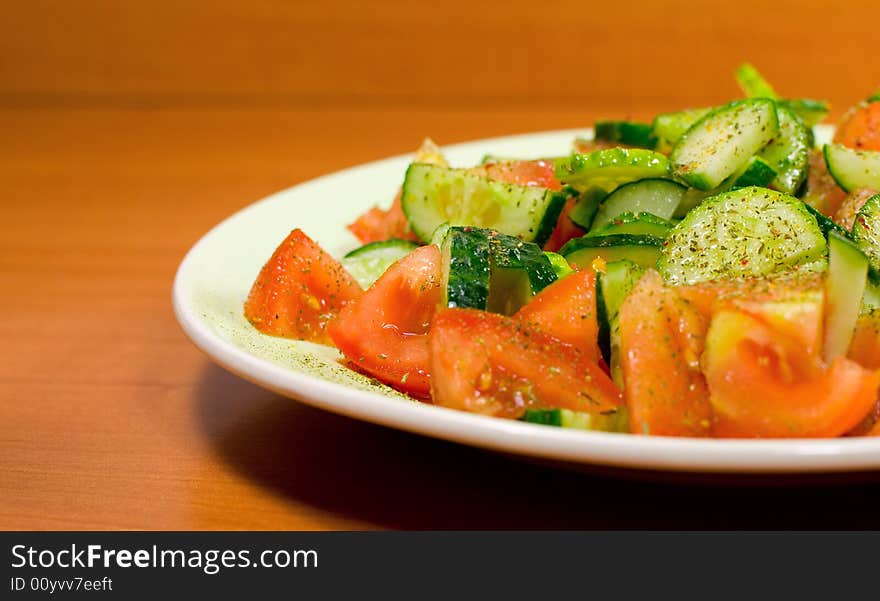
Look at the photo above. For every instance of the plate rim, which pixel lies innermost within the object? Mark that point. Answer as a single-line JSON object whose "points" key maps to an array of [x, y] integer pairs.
{"points": [[597, 448]]}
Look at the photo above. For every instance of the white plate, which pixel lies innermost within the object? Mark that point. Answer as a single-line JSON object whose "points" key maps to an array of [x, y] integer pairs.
{"points": [[214, 278]]}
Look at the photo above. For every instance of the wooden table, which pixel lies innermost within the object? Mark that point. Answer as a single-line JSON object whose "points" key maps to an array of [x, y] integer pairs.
{"points": [[113, 163]]}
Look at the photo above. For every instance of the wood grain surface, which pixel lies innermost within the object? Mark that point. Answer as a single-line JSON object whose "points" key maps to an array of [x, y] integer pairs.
{"points": [[128, 129]]}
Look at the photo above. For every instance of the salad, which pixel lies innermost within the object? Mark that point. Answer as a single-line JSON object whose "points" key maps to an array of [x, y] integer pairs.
{"points": [[713, 273]]}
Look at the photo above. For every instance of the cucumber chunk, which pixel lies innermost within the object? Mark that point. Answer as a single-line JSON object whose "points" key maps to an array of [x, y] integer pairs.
{"points": [[811, 112], [659, 197], [583, 252], [723, 141], [866, 231], [670, 127], [845, 287], [612, 287], [871, 298], [851, 168], [371, 260], [609, 168], [629, 133], [750, 232], [753, 83], [612, 421], [635, 223], [788, 153], [758, 172], [587, 205], [433, 195], [483, 269]]}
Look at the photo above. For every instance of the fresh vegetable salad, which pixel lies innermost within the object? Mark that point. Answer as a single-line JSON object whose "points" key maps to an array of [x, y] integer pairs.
{"points": [[711, 273]]}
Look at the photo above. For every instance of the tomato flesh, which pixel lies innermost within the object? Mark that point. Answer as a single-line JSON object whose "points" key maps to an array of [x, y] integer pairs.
{"points": [[494, 365], [377, 224], [860, 127], [661, 341], [299, 290], [765, 384], [566, 310], [385, 332]]}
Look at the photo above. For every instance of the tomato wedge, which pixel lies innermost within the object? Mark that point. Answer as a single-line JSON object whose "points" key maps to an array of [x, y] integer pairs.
{"points": [[661, 341], [822, 192], [854, 201], [865, 346], [494, 365], [299, 290], [860, 127], [377, 225], [385, 332], [566, 310], [764, 384]]}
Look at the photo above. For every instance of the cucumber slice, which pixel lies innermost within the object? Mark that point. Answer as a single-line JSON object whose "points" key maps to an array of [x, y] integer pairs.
{"points": [[826, 225], [483, 269], [811, 112], [612, 287], [659, 197], [845, 287], [371, 260], [641, 250], [788, 153], [753, 83], [758, 172], [635, 223], [560, 266], [670, 127], [612, 421], [851, 168], [722, 142], [630, 133], [750, 232], [586, 207], [433, 195], [609, 168], [866, 231]]}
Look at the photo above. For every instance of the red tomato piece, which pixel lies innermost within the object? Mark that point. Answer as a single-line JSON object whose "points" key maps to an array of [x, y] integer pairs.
{"points": [[299, 290], [860, 127], [522, 173], [854, 201], [565, 228], [377, 224], [566, 310], [764, 384], [494, 365], [661, 341], [865, 346], [385, 332]]}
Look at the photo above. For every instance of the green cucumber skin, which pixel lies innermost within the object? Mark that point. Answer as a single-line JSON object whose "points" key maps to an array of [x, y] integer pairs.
{"points": [[750, 232], [825, 224], [370, 247], [638, 224], [474, 260], [529, 213], [789, 152], [695, 157], [851, 168], [811, 112], [634, 197], [846, 282], [630, 133], [753, 84], [611, 167], [866, 231], [616, 421], [642, 250], [612, 287], [758, 173], [587, 205], [466, 268]]}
